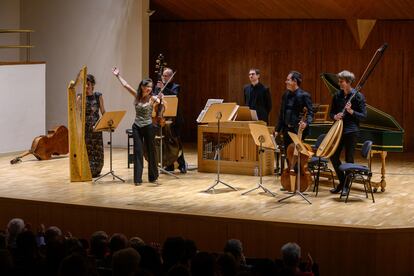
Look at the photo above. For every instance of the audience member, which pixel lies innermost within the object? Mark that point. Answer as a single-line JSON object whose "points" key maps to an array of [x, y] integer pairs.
{"points": [[74, 264], [291, 254], [14, 228], [136, 242], [125, 262], [150, 260], [235, 248], [227, 265], [204, 264]]}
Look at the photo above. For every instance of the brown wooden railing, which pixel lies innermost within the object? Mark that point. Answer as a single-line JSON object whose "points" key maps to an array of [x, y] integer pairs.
{"points": [[27, 46]]}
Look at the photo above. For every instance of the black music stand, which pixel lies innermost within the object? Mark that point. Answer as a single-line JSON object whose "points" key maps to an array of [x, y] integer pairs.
{"points": [[226, 110], [299, 148], [109, 122], [262, 139], [171, 104]]}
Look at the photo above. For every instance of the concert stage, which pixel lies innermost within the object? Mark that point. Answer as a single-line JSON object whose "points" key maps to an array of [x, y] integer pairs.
{"points": [[356, 238]]}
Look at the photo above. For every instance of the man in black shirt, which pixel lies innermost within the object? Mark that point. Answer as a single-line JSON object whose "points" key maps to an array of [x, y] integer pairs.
{"points": [[257, 96], [173, 89], [351, 113], [294, 100]]}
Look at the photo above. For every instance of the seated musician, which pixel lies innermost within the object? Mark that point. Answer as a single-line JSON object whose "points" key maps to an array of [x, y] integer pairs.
{"points": [[178, 122], [351, 112], [294, 99]]}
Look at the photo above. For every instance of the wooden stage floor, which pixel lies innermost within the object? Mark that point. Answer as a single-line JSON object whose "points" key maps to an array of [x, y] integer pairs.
{"points": [[334, 232], [49, 181]]}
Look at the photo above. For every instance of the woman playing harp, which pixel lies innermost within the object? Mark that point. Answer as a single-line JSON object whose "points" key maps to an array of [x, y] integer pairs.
{"points": [[93, 140]]}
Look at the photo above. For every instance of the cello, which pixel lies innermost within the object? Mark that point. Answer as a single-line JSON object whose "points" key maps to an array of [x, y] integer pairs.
{"points": [[44, 146], [289, 177]]}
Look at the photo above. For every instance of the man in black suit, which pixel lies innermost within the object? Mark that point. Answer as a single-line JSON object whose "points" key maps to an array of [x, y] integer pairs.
{"points": [[173, 89], [257, 96], [294, 99]]}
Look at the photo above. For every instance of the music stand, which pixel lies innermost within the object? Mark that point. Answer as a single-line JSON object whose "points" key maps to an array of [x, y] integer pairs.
{"points": [[299, 148], [215, 113], [109, 122], [244, 113], [171, 105], [262, 139]]}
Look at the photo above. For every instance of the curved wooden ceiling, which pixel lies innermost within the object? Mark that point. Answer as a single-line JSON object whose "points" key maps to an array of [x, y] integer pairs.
{"points": [[281, 9]]}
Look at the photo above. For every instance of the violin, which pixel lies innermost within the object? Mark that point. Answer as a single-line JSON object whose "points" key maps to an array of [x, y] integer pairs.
{"points": [[44, 146], [289, 177]]}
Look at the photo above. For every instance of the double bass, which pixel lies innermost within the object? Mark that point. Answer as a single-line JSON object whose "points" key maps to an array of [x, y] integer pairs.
{"points": [[159, 108], [44, 146], [289, 177], [170, 143]]}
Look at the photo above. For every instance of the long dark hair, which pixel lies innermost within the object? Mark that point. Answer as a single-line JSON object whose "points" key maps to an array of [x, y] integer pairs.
{"points": [[143, 83]]}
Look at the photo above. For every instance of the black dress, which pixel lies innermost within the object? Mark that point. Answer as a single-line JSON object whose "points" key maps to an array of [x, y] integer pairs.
{"points": [[93, 140]]}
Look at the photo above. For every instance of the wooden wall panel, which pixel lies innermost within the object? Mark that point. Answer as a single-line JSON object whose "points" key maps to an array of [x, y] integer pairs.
{"points": [[213, 58], [408, 97]]}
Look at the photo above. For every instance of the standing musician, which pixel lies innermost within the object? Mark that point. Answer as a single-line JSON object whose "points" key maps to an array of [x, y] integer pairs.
{"points": [[354, 112], [294, 99], [93, 140], [142, 130], [173, 89], [257, 96]]}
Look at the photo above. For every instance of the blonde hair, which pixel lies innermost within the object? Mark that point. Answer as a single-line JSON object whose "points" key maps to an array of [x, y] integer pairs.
{"points": [[349, 77]]}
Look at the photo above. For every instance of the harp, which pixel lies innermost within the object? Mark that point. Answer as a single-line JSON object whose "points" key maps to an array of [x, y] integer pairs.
{"points": [[78, 156]]}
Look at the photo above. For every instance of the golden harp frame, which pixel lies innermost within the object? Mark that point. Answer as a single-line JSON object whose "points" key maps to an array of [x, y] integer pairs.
{"points": [[78, 155]]}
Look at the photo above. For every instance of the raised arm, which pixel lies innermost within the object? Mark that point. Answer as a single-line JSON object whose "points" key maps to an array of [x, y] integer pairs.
{"points": [[124, 83]]}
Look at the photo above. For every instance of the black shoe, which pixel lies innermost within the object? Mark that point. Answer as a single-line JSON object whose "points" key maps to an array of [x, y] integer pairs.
{"points": [[169, 168], [336, 190], [183, 169], [345, 191], [138, 183]]}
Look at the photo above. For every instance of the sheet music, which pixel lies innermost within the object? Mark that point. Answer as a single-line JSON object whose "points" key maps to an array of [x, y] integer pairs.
{"points": [[232, 116], [253, 113], [274, 142], [208, 103]]}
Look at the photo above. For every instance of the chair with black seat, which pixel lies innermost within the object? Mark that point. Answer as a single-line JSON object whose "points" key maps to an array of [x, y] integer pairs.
{"points": [[353, 171], [319, 164]]}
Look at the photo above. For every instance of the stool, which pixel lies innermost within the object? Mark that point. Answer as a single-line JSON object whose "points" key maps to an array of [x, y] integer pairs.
{"points": [[130, 146]]}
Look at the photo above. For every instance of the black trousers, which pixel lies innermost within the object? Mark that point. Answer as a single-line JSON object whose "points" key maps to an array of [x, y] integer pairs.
{"points": [[144, 137], [348, 141]]}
